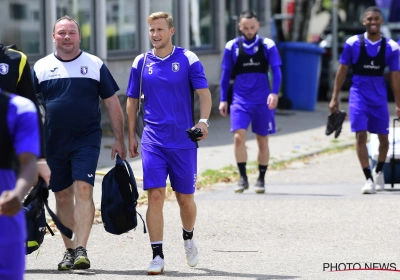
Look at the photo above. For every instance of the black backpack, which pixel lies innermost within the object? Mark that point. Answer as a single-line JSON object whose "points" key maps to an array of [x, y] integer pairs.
{"points": [[119, 199], [36, 224]]}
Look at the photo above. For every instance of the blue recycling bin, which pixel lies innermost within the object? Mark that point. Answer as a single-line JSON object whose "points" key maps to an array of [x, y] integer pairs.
{"points": [[301, 63]]}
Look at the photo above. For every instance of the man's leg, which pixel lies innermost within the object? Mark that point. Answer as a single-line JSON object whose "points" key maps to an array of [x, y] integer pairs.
{"points": [[362, 153], [188, 212], [155, 226], [83, 217], [377, 173], [263, 159], [239, 141], [65, 212]]}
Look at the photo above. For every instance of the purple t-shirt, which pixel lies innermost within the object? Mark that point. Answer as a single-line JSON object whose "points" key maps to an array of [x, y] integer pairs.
{"points": [[24, 131], [370, 90], [249, 88], [166, 85]]}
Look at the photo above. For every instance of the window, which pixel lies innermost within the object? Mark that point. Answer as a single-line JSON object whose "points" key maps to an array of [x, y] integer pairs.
{"points": [[232, 14], [82, 12], [201, 23], [21, 22], [122, 27]]}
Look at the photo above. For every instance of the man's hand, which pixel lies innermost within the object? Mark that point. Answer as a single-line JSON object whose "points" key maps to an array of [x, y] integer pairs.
{"points": [[223, 108], [44, 171], [203, 128], [10, 203], [272, 101], [133, 147], [334, 105], [120, 148]]}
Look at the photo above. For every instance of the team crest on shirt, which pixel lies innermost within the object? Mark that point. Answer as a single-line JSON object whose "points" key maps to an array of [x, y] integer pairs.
{"points": [[255, 49], [175, 66], [84, 70], [3, 68]]}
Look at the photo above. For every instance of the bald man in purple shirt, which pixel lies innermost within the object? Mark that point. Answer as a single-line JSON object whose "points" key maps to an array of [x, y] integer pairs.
{"points": [[19, 135], [369, 54]]}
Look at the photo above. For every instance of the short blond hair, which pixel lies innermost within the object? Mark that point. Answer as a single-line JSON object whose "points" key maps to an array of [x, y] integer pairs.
{"points": [[164, 15]]}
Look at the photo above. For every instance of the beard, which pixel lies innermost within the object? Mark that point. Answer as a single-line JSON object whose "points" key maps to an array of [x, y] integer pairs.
{"points": [[249, 37]]}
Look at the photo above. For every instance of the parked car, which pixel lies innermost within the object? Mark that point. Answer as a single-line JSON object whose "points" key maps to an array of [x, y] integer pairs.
{"points": [[344, 32]]}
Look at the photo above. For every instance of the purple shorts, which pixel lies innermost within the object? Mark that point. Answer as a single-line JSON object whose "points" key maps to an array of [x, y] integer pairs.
{"points": [[374, 119], [179, 164], [12, 261], [261, 117]]}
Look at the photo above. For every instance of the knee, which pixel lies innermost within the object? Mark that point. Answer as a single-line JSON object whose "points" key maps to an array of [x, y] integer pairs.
{"points": [[155, 196], [186, 204], [84, 191], [239, 139], [362, 138], [384, 143], [64, 197]]}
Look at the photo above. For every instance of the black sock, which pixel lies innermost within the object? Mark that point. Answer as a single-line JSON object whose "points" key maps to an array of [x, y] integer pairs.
{"points": [[242, 169], [262, 169], [157, 249], [379, 166], [367, 173], [187, 234]]}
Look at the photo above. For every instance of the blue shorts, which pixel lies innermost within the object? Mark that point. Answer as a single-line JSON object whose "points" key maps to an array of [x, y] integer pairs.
{"points": [[261, 117], [12, 261], [374, 119], [68, 166], [179, 164]]}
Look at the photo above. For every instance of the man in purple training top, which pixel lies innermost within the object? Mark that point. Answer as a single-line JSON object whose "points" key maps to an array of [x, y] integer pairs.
{"points": [[249, 58], [169, 75], [19, 138], [369, 54]]}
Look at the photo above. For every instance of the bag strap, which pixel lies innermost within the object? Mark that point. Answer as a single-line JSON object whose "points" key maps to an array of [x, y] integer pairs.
{"points": [[44, 194], [140, 82]]}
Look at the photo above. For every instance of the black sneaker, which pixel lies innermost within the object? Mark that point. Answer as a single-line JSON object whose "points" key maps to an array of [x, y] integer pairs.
{"points": [[243, 184], [81, 260], [335, 122], [67, 261], [260, 186], [340, 117]]}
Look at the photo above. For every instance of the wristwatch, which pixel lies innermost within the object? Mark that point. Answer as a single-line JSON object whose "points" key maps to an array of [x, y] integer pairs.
{"points": [[206, 121]]}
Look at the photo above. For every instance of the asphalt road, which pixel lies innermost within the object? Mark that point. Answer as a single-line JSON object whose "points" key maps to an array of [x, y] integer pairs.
{"points": [[312, 215]]}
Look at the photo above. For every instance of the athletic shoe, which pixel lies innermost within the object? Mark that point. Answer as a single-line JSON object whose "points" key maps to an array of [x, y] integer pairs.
{"points": [[340, 117], [156, 266], [369, 187], [260, 186], [330, 124], [67, 261], [379, 180], [81, 260], [335, 122], [192, 255], [242, 185]]}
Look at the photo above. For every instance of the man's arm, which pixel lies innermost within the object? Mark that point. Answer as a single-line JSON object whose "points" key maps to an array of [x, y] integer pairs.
{"points": [[132, 105], [395, 83], [339, 79], [11, 201], [117, 122], [205, 109]]}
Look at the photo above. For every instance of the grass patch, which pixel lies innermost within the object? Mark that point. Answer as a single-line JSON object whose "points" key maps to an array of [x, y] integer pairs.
{"points": [[230, 173]]}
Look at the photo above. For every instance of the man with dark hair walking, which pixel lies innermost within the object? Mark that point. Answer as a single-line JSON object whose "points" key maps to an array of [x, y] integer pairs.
{"points": [[369, 54], [250, 57]]}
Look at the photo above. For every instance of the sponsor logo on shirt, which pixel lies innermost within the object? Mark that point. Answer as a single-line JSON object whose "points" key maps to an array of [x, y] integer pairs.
{"points": [[84, 70], [372, 66], [175, 66], [251, 63], [3, 68], [55, 68]]}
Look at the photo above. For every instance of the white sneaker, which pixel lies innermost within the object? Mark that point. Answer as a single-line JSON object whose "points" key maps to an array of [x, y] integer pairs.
{"points": [[156, 266], [369, 187], [379, 180], [192, 255]]}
